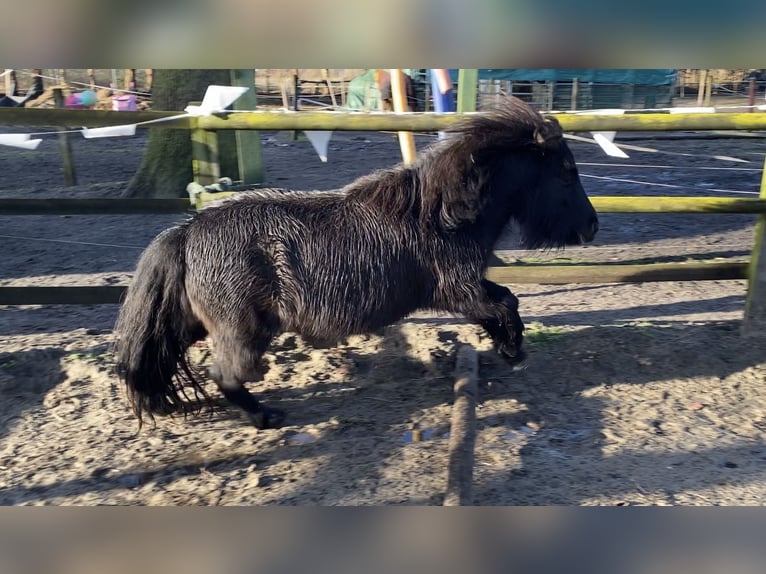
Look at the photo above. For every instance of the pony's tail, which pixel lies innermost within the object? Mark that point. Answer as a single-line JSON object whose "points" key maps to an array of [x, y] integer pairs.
{"points": [[154, 330]]}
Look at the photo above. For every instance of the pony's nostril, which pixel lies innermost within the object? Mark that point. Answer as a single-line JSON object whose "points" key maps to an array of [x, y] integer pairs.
{"points": [[594, 226]]}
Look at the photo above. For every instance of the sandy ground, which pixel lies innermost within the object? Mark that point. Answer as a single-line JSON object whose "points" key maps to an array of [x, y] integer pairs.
{"points": [[634, 394]]}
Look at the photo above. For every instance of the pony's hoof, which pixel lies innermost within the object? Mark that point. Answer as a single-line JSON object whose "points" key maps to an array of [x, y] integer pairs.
{"points": [[516, 359], [163, 409], [267, 418]]}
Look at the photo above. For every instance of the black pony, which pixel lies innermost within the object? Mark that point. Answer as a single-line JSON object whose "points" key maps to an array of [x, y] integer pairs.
{"points": [[330, 264]]}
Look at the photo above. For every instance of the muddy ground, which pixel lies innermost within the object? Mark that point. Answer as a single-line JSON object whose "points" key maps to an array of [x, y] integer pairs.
{"points": [[635, 394]]}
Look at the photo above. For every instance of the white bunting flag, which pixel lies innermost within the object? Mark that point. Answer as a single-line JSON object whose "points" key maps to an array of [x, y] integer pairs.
{"points": [[605, 139], [606, 144], [110, 131], [692, 110], [19, 140], [319, 139], [217, 99]]}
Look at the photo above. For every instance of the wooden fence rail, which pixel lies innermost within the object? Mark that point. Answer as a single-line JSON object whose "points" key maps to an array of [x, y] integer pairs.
{"points": [[368, 121], [537, 273], [602, 204]]}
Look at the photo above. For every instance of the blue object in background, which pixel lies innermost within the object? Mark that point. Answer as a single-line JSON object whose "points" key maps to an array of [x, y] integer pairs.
{"points": [[442, 102]]}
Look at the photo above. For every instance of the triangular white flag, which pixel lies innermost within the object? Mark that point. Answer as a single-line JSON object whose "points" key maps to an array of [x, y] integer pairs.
{"points": [[602, 112], [319, 139], [607, 145], [607, 135], [692, 110], [217, 99], [109, 132], [19, 140]]}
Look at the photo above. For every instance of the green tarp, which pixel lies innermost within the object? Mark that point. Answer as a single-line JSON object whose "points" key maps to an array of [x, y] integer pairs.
{"points": [[363, 92]]}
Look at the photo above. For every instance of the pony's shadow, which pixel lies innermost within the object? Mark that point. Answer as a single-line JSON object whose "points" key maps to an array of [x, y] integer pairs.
{"points": [[353, 424], [378, 378], [387, 393]]}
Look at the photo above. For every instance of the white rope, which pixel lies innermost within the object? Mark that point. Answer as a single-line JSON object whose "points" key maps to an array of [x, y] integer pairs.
{"points": [[676, 109], [623, 180], [71, 242], [668, 166], [623, 146]]}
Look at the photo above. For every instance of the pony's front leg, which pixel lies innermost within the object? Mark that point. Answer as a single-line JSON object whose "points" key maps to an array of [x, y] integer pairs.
{"points": [[500, 318], [260, 415]]}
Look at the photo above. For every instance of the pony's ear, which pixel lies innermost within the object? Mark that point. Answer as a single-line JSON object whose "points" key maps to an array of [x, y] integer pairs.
{"points": [[549, 134]]}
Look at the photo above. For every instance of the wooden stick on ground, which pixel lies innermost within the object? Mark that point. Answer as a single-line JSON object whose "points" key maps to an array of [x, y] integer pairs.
{"points": [[462, 429]]}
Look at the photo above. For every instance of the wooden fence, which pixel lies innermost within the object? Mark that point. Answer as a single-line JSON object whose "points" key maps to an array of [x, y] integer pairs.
{"points": [[754, 270]]}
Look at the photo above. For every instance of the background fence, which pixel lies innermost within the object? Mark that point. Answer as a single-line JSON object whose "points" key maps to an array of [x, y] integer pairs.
{"points": [[330, 87]]}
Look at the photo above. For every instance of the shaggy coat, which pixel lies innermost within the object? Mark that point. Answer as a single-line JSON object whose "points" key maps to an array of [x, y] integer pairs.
{"points": [[330, 264]]}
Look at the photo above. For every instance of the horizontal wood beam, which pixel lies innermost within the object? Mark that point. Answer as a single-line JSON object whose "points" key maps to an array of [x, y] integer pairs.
{"points": [[625, 204], [678, 204], [662, 122], [511, 274], [617, 273], [369, 121], [62, 295], [52, 117], [56, 206], [430, 121], [604, 204]]}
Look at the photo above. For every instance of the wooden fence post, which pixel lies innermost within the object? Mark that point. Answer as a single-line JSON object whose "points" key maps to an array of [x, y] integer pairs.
{"points": [[467, 82], [9, 90], [755, 302], [296, 96], [751, 91], [205, 164], [399, 100], [702, 87], [248, 141], [65, 145], [575, 91]]}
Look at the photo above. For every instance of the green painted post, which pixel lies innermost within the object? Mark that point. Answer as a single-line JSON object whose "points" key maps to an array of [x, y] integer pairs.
{"points": [[467, 84], [248, 142], [755, 302], [205, 166]]}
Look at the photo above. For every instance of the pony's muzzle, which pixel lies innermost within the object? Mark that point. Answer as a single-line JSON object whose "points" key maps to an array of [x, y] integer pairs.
{"points": [[592, 229]]}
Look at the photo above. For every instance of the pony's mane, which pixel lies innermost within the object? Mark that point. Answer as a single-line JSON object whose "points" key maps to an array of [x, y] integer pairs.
{"points": [[446, 179]]}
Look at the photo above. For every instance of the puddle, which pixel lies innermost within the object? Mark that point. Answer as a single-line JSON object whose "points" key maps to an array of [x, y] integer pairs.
{"points": [[420, 435], [571, 434], [300, 438], [520, 436]]}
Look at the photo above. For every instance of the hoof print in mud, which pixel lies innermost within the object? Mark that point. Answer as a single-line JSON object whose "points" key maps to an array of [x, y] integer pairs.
{"points": [[268, 418]]}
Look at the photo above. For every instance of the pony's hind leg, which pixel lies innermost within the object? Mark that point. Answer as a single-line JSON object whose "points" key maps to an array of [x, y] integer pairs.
{"points": [[239, 360], [498, 313]]}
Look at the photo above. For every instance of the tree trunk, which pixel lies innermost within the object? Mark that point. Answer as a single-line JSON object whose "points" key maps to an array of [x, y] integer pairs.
{"points": [[166, 169]]}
